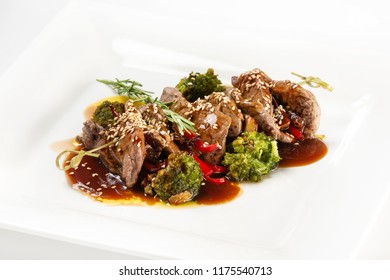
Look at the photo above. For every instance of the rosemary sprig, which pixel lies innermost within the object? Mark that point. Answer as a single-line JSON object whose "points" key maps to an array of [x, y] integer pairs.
{"points": [[128, 87], [133, 90], [314, 82], [76, 160]]}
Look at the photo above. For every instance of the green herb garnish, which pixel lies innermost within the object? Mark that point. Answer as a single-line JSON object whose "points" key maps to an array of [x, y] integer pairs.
{"points": [[129, 88], [76, 160], [133, 90], [314, 82]]}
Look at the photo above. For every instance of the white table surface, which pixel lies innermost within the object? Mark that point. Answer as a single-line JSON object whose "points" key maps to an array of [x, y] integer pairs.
{"points": [[20, 22]]}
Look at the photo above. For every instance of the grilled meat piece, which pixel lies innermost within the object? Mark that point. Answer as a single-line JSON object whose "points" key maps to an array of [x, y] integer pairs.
{"points": [[265, 120], [157, 136], [250, 124], [300, 101], [127, 158], [254, 86], [182, 107], [91, 135], [126, 155], [252, 95], [212, 126], [226, 105], [170, 94]]}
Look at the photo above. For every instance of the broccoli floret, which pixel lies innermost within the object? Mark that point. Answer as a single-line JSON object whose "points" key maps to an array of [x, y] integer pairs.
{"points": [[198, 85], [251, 157], [179, 182], [104, 115]]}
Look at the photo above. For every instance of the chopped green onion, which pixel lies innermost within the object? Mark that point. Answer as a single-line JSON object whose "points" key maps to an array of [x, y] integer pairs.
{"points": [[314, 82], [76, 160]]}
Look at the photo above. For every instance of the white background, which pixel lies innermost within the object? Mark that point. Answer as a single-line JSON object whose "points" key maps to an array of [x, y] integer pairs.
{"points": [[20, 22]]}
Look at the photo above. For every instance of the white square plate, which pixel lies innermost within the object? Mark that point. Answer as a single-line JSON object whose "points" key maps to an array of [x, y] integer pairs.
{"points": [[319, 211]]}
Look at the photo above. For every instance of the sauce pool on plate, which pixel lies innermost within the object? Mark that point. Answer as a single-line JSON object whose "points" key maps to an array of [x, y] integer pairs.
{"points": [[93, 179], [301, 153]]}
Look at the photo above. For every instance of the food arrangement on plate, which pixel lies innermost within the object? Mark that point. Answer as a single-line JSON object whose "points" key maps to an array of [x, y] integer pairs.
{"points": [[195, 143]]}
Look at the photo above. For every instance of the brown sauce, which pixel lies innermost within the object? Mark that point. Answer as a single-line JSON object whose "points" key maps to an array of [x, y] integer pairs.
{"points": [[92, 179], [215, 194], [301, 153]]}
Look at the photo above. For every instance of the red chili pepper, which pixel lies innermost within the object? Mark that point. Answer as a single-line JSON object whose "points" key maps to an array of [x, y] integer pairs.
{"points": [[208, 170], [295, 132], [189, 134], [217, 168], [199, 144], [205, 148]]}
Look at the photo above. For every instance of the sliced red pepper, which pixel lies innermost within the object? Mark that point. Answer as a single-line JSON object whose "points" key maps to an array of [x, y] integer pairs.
{"points": [[217, 168], [199, 144], [205, 148], [208, 170], [295, 132], [189, 134]]}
